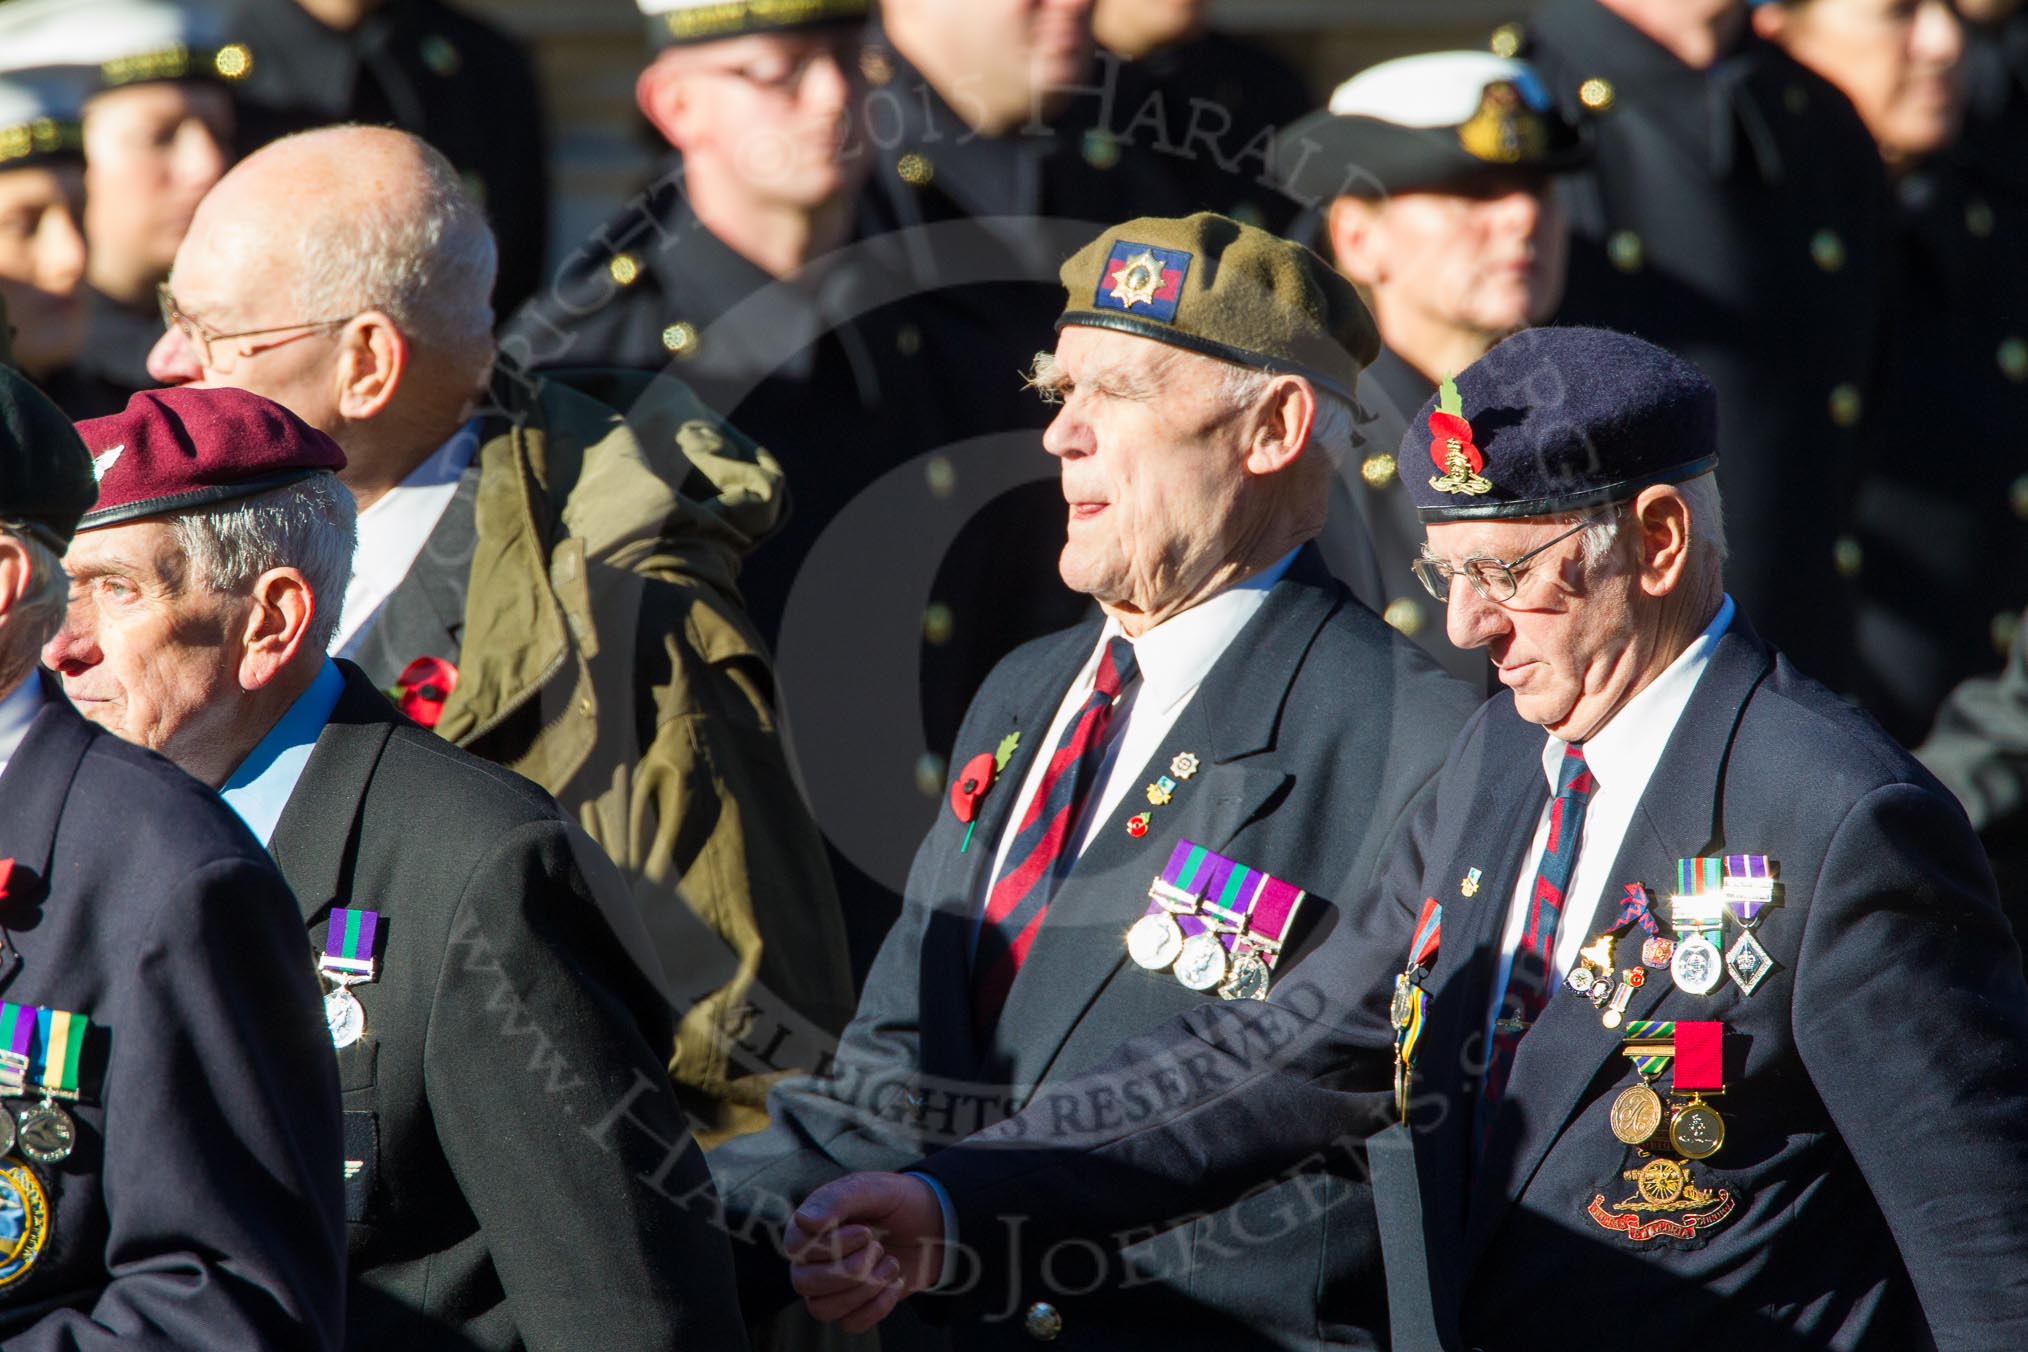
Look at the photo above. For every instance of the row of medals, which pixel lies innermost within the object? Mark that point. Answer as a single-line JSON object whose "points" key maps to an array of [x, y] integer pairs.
{"points": [[1199, 961], [42, 1132], [1695, 1131]]}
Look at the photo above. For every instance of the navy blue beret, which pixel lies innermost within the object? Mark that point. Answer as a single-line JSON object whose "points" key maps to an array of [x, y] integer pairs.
{"points": [[1556, 419]]}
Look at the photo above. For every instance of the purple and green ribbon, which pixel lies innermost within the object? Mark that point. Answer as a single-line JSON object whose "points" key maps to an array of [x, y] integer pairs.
{"points": [[348, 943]]}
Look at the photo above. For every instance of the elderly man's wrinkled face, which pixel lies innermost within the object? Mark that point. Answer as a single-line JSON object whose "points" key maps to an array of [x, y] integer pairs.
{"points": [[1153, 467], [42, 264], [1899, 61], [1566, 643], [147, 651]]}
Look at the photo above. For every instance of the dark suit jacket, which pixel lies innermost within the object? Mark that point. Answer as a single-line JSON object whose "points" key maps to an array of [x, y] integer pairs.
{"points": [[1876, 1104], [1316, 729], [200, 1207], [507, 1102]]}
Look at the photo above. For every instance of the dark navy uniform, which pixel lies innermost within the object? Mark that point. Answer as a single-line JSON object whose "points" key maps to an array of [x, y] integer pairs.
{"points": [[1942, 557], [200, 1204], [428, 68], [1735, 216]]}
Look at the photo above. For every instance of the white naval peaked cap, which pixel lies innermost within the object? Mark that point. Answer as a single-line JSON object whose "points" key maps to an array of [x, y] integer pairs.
{"points": [[1435, 89], [683, 21]]}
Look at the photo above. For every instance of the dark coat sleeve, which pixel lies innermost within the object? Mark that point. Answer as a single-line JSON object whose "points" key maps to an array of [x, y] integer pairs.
{"points": [[608, 1225], [221, 1177]]}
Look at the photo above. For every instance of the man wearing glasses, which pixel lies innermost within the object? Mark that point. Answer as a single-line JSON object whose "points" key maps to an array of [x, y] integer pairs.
{"points": [[1706, 1007]]}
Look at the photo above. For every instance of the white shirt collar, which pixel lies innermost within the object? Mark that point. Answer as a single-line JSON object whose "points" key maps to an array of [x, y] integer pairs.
{"points": [[1177, 654], [17, 711], [1626, 750], [261, 787], [393, 531]]}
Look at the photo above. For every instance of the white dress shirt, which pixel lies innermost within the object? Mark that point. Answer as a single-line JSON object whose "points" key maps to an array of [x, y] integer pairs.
{"points": [[1174, 658], [393, 531], [17, 711], [1623, 756]]}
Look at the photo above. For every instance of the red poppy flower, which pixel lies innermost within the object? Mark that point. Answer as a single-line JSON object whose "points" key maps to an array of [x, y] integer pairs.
{"points": [[6, 873], [1445, 428], [971, 785], [422, 688]]}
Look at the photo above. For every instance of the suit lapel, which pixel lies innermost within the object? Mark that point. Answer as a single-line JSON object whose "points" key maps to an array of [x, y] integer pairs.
{"points": [[35, 786], [1230, 724], [316, 837], [425, 614], [1678, 817]]}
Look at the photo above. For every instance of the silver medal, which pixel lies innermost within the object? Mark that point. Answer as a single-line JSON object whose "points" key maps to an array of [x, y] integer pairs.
{"points": [[1154, 941], [45, 1133], [345, 1017], [1697, 967], [1202, 962]]}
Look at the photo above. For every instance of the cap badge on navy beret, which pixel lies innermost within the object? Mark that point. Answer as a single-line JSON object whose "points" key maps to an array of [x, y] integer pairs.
{"points": [[1505, 129], [1142, 275], [1451, 446]]}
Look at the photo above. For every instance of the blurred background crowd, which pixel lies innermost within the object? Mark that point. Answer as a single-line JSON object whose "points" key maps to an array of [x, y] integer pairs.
{"points": [[841, 224]]}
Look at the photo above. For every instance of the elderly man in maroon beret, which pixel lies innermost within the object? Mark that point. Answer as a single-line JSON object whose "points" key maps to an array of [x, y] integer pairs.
{"points": [[485, 1013]]}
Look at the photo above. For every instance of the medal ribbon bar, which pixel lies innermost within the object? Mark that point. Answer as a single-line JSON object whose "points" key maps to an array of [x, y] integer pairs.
{"points": [[1700, 1062], [17, 1040], [1695, 877], [348, 942], [62, 1038]]}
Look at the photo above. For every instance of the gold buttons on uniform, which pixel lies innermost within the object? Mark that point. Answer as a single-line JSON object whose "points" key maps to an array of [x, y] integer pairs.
{"points": [[681, 339], [1979, 217], [1623, 249], [2012, 356], [908, 340], [1828, 250], [1405, 615], [941, 475], [1377, 470], [1101, 151], [624, 267], [1042, 1322], [584, 706], [915, 169], [1847, 557], [1506, 40], [440, 56], [1846, 405], [875, 66], [233, 62], [937, 623], [1596, 94]]}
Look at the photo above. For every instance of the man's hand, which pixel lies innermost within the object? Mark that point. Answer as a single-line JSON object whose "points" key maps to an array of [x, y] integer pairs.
{"points": [[860, 1246]]}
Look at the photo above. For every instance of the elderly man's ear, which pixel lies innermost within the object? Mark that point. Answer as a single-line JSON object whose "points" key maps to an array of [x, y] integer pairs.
{"points": [[373, 356], [277, 626], [1283, 421]]}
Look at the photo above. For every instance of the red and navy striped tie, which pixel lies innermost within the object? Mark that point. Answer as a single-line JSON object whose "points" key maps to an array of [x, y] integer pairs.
{"points": [[1528, 976], [1020, 898]]}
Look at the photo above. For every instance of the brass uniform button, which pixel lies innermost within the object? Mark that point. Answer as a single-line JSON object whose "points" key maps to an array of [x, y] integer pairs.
{"points": [[1377, 470], [1101, 151], [1623, 250], [1847, 556], [874, 65], [942, 476], [930, 769], [1405, 615], [915, 169], [937, 623], [1979, 217], [681, 339], [1596, 94], [1828, 250], [234, 61], [2013, 359], [2004, 627], [908, 340], [624, 267], [441, 57], [584, 706], [1846, 405], [1506, 40], [2017, 497], [1042, 1322]]}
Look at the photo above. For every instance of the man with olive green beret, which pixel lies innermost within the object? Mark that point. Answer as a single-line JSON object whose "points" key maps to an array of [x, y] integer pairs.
{"points": [[1235, 727]]}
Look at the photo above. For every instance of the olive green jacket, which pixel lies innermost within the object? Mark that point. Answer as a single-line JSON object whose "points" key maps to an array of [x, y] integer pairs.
{"points": [[606, 655]]}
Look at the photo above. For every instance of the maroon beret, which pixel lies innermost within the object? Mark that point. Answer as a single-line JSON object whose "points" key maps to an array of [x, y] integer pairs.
{"points": [[178, 449]]}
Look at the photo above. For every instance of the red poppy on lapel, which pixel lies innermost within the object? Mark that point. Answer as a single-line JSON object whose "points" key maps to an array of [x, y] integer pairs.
{"points": [[423, 687], [971, 785]]}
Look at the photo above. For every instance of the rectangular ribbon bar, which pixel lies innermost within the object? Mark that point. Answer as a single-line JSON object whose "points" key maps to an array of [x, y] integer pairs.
{"points": [[1205, 890], [62, 1038], [348, 943], [1428, 933], [17, 1040], [1697, 912], [1700, 1056], [1695, 877], [1749, 885]]}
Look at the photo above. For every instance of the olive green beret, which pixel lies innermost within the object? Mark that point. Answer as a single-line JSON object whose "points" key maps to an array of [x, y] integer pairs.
{"points": [[1208, 284], [46, 480]]}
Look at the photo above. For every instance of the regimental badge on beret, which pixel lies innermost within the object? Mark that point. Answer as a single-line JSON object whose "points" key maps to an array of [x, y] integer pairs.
{"points": [[1451, 446], [1142, 279]]}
